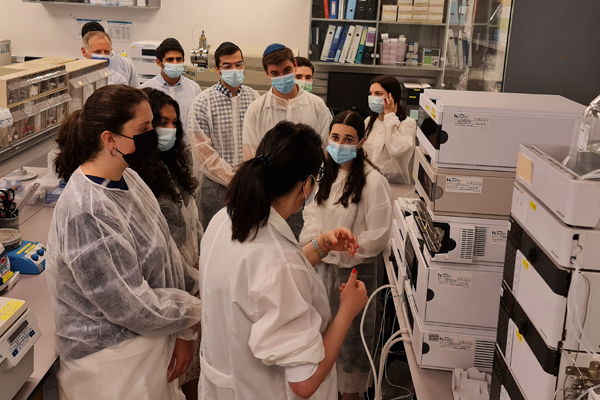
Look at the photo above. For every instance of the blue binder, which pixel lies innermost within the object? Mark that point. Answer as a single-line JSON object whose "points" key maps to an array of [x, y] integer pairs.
{"points": [[361, 46], [333, 9], [335, 43], [351, 9], [340, 47]]}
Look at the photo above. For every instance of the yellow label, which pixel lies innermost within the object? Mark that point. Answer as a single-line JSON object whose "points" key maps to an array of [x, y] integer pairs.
{"points": [[31, 247], [532, 205], [433, 113], [80, 83], [24, 248], [427, 107], [10, 308], [7, 276], [519, 336], [526, 263]]}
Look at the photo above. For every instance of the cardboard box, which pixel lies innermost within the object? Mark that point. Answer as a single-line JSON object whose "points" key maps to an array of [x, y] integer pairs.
{"points": [[420, 10], [387, 8], [389, 16], [405, 2], [419, 19], [435, 18], [421, 3], [403, 17], [436, 10], [436, 3], [405, 9]]}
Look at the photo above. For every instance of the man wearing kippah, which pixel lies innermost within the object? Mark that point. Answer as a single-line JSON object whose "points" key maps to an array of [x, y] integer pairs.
{"points": [[215, 128], [285, 101], [118, 63], [170, 58]]}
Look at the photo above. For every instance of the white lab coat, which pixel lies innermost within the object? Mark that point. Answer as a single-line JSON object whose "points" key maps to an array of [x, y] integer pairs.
{"points": [[370, 220], [263, 316], [390, 146], [265, 112]]}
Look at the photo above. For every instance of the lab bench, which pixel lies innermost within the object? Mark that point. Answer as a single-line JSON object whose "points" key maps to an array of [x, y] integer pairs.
{"points": [[34, 226]]}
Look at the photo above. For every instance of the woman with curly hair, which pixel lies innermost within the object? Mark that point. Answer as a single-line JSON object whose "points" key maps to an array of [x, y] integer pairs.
{"points": [[169, 175]]}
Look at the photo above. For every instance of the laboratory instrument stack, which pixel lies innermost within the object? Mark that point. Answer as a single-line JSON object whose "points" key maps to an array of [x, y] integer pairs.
{"points": [[548, 343], [450, 241]]}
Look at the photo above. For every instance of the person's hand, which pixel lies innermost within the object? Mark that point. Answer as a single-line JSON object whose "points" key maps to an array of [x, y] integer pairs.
{"points": [[339, 239], [182, 357], [353, 296], [389, 106]]}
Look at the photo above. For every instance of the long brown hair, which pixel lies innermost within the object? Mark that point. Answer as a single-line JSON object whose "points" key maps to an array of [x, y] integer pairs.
{"points": [[356, 180], [391, 85], [79, 136]]}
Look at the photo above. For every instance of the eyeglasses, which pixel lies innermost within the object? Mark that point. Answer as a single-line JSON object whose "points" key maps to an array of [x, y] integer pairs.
{"points": [[318, 177], [237, 65]]}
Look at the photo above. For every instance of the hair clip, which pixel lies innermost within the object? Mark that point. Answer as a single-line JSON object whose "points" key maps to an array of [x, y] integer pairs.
{"points": [[266, 159]]}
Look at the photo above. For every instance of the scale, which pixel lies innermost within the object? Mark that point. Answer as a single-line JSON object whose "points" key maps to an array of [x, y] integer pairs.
{"points": [[25, 257], [18, 333]]}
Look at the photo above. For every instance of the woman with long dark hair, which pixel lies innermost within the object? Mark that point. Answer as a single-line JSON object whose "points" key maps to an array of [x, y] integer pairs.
{"points": [[119, 290], [353, 194], [267, 331], [168, 173], [390, 142]]}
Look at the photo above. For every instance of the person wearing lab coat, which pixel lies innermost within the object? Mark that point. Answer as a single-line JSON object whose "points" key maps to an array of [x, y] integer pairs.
{"points": [[267, 332], [168, 173], [117, 63], [119, 290], [390, 142], [96, 45], [353, 194], [215, 125], [286, 101]]}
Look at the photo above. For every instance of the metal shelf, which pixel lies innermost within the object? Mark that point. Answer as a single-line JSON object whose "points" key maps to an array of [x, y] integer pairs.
{"points": [[153, 4], [397, 67], [410, 23], [362, 21]]}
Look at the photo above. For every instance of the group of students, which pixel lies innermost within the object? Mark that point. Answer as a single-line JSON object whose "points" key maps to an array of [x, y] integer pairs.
{"points": [[272, 282]]}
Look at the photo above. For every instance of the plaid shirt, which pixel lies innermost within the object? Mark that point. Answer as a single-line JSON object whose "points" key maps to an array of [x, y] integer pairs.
{"points": [[221, 117]]}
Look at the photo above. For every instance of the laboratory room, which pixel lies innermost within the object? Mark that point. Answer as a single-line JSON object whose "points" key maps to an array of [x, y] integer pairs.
{"points": [[299, 199]]}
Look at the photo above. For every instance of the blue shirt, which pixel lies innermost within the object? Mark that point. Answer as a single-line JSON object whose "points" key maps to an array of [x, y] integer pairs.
{"points": [[184, 92]]}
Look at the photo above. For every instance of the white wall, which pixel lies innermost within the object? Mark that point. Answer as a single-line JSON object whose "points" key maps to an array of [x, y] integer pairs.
{"points": [[48, 30]]}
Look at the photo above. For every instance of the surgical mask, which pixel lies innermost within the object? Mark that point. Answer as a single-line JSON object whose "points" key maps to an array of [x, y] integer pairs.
{"points": [[341, 153], [145, 146], [173, 70], [305, 85], [284, 84], [376, 104], [166, 138], [101, 57], [233, 78], [311, 196]]}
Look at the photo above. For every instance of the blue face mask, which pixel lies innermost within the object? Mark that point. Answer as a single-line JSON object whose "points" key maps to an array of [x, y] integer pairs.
{"points": [[341, 153], [101, 57], [376, 104], [284, 84], [166, 138], [173, 70], [233, 77]]}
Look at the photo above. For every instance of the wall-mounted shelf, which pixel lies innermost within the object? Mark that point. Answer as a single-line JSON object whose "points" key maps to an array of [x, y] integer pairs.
{"points": [[152, 4], [398, 68]]}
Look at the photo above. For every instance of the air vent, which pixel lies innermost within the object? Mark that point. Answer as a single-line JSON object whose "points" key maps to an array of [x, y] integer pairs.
{"points": [[480, 240], [467, 238], [484, 355]]}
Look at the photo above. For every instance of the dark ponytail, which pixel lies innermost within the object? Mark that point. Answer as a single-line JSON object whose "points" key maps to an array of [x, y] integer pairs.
{"points": [[288, 154], [356, 180], [391, 85], [79, 136]]}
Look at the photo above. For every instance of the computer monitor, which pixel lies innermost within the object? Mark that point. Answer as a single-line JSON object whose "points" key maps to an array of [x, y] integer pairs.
{"points": [[348, 90]]}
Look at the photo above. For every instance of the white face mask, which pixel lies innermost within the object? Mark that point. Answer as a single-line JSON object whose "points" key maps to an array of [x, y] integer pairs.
{"points": [[311, 197]]}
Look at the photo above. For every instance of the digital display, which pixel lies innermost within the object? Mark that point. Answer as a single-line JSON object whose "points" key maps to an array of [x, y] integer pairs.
{"points": [[18, 332], [149, 52]]}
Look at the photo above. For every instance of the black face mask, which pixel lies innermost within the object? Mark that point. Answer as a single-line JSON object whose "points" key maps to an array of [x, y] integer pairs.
{"points": [[146, 144]]}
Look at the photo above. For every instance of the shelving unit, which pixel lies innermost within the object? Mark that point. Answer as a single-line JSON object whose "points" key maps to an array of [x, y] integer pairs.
{"points": [[487, 29], [151, 4]]}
